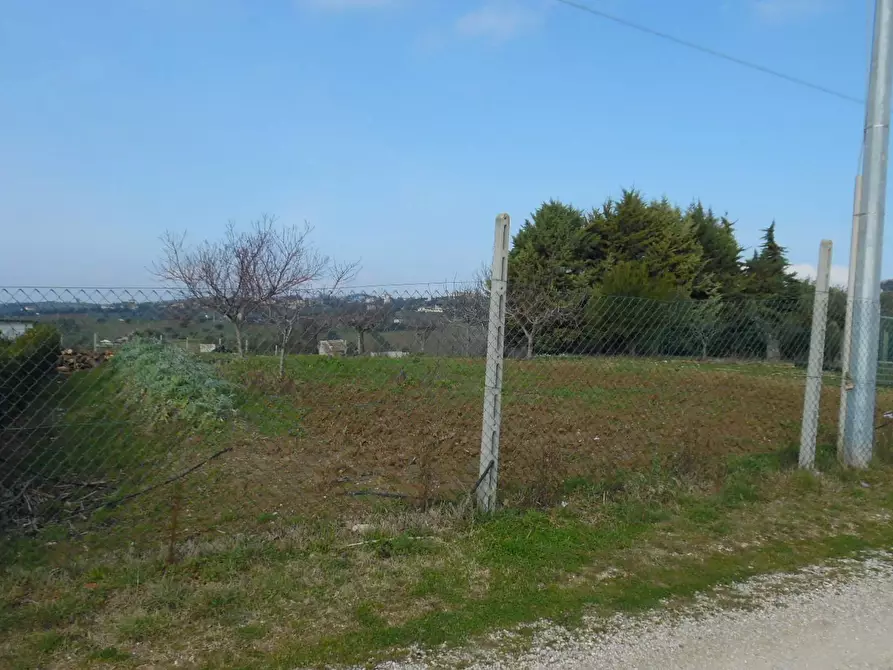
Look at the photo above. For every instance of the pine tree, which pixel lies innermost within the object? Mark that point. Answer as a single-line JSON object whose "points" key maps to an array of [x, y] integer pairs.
{"points": [[653, 234], [721, 272], [552, 239], [775, 291], [544, 270], [767, 274]]}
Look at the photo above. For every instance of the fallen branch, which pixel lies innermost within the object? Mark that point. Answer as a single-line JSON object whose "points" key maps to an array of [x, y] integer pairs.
{"points": [[380, 494], [389, 539], [170, 480]]}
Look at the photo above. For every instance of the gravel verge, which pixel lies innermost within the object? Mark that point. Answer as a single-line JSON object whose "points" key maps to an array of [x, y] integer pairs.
{"points": [[838, 615]]}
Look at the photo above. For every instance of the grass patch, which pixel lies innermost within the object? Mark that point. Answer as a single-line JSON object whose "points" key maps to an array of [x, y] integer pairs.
{"points": [[109, 655], [144, 627], [617, 479], [315, 594]]}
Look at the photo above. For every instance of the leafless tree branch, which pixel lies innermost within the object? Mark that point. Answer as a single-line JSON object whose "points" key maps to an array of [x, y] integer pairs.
{"points": [[248, 271]]}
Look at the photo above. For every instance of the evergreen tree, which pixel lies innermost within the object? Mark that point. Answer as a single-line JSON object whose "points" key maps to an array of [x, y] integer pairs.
{"points": [[775, 292], [767, 274], [721, 271], [653, 234], [613, 278], [544, 271], [553, 238], [630, 310]]}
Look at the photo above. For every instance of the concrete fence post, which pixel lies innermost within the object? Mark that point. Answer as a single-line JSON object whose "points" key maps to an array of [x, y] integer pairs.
{"points": [[813, 394], [492, 420]]}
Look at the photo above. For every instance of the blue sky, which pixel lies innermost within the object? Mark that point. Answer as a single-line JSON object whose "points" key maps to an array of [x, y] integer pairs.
{"points": [[400, 128]]}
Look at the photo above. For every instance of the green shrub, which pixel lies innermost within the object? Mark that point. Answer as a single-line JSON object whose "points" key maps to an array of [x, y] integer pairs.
{"points": [[167, 383], [26, 363]]}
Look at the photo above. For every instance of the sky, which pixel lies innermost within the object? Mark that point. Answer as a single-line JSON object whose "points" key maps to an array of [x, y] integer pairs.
{"points": [[399, 129]]}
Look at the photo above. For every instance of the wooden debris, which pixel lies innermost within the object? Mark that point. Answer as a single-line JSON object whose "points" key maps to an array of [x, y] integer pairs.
{"points": [[72, 360], [28, 506]]}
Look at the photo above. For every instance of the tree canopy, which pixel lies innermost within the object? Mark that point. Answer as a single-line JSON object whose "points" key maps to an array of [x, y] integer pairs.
{"points": [[567, 265]]}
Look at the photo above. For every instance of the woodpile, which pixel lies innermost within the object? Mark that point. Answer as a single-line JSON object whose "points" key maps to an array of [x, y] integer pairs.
{"points": [[72, 360]]}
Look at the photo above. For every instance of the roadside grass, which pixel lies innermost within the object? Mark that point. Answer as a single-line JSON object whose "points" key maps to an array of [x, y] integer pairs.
{"points": [[309, 592], [627, 484]]}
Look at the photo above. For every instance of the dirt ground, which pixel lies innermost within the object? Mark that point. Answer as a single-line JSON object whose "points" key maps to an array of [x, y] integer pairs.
{"points": [[411, 428]]}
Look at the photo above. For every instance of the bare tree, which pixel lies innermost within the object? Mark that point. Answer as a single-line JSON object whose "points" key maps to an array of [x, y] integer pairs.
{"points": [[469, 309], [704, 321], [245, 272], [294, 312], [532, 305], [366, 316], [425, 326], [533, 308]]}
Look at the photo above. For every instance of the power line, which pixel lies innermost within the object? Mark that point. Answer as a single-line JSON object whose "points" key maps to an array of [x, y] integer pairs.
{"points": [[710, 52]]}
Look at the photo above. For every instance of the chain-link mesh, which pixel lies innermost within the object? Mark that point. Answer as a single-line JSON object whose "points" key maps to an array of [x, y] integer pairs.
{"points": [[145, 409], [119, 406], [601, 384], [866, 398]]}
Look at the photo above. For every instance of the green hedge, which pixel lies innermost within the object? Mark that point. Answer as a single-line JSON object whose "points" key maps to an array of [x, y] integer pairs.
{"points": [[26, 363]]}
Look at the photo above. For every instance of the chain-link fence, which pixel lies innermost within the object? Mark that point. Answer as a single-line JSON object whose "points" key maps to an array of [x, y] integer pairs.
{"points": [[145, 409], [612, 383], [121, 403]]}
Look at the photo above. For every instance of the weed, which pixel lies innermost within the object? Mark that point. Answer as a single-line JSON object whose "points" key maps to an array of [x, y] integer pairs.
{"points": [[164, 382], [251, 632], [426, 458], [176, 503], [109, 655], [367, 616], [738, 490], [167, 594], [144, 627], [49, 642], [550, 477]]}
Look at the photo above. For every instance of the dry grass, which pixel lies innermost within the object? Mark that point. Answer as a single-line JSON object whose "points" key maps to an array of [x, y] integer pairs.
{"points": [[637, 481]]}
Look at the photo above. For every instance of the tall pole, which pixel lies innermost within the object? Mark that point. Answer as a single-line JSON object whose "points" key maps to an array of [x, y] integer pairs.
{"points": [[812, 396], [848, 320], [492, 424], [859, 437]]}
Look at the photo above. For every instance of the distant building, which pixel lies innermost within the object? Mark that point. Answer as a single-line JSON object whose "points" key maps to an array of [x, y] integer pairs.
{"points": [[10, 329], [430, 310], [333, 347]]}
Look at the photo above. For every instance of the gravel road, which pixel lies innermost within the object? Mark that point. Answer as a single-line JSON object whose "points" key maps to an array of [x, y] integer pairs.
{"points": [[836, 616]]}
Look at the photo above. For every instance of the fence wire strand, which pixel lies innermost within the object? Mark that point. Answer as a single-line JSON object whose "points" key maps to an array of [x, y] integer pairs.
{"points": [[108, 395]]}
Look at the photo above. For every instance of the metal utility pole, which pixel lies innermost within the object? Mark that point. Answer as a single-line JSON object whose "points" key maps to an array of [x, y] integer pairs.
{"points": [[859, 436]]}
